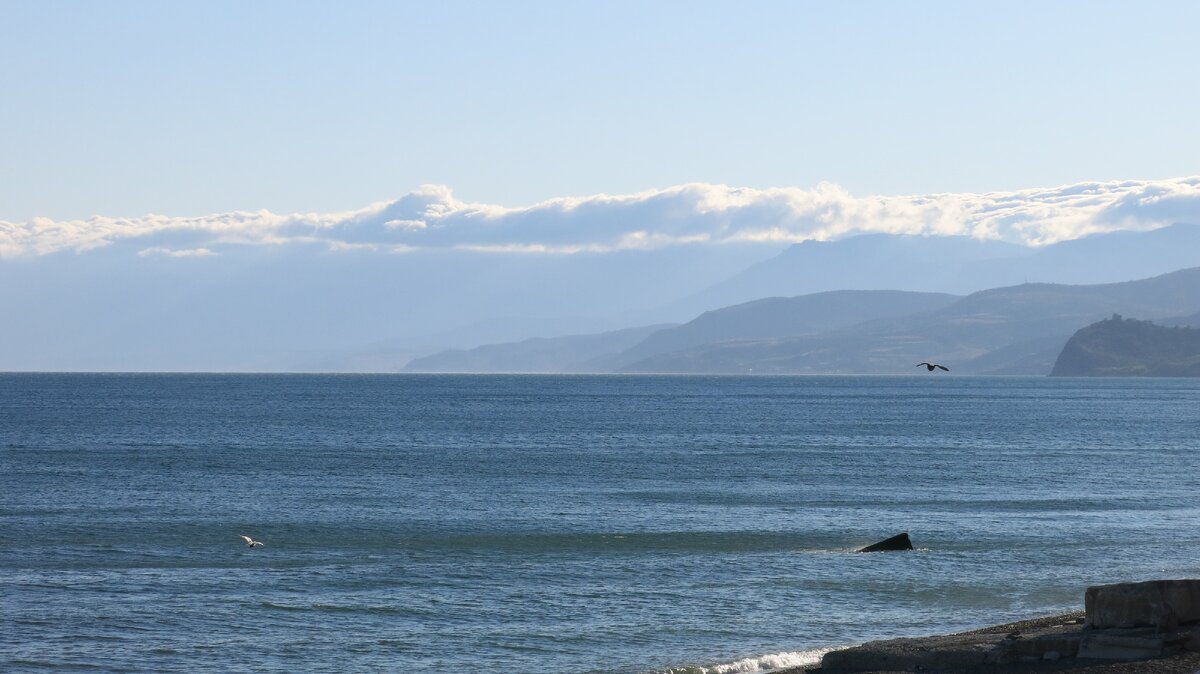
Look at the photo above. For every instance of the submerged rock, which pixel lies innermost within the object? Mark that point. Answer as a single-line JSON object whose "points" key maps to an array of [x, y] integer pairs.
{"points": [[897, 542]]}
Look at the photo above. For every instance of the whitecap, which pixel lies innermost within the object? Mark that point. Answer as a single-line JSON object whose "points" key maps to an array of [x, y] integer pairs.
{"points": [[757, 664]]}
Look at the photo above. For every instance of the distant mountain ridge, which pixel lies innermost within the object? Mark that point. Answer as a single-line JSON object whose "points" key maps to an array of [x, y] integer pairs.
{"points": [[304, 308], [785, 316], [573, 353], [771, 317], [953, 264], [1012, 330], [863, 262], [1119, 347]]}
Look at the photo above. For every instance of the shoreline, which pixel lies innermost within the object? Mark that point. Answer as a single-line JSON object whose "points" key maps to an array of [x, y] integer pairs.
{"points": [[964, 652]]}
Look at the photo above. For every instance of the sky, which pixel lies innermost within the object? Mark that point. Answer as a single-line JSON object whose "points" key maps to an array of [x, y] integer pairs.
{"points": [[123, 109]]}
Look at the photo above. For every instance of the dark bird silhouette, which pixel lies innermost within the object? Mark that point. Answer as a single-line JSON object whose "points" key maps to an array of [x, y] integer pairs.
{"points": [[930, 366]]}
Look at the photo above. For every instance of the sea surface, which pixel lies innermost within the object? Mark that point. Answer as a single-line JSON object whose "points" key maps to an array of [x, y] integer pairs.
{"points": [[574, 524]]}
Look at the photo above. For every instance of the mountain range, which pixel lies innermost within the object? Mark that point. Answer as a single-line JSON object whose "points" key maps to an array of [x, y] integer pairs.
{"points": [[572, 353], [304, 307], [760, 319], [952, 264], [1012, 330]]}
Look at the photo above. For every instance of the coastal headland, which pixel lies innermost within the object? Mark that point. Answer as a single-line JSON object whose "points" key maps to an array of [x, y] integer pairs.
{"points": [[1127, 628]]}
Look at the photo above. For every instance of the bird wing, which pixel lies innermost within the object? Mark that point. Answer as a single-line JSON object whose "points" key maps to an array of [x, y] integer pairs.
{"points": [[920, 364], [943, 367], [249, 541]]}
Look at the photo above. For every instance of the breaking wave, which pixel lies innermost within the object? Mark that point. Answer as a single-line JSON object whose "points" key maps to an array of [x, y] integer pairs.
{"points": [[756, 664]]}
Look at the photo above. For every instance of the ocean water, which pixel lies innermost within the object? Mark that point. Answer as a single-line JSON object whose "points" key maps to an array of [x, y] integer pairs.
{"points": [[527, 524]]}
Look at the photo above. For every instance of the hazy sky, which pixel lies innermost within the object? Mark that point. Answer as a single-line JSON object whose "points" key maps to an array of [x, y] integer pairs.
{"points": [[123, 108]]}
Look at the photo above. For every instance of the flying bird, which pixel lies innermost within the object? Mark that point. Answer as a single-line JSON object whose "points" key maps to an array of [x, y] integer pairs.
{"points": [[930, 366], [251, 543]]}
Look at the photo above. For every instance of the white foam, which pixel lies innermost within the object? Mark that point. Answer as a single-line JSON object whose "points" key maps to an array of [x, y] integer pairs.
{"points": [[758, 664]]}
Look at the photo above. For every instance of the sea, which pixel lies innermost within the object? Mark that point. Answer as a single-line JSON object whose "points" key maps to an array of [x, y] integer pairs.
{"points": [[573, 524]]}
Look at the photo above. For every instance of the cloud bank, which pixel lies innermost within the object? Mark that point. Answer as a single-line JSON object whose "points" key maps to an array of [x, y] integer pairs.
{"points": [[431, 217]]}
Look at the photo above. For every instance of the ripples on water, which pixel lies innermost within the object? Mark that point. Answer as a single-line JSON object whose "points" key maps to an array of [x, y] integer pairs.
{"points": [[567, 524]]}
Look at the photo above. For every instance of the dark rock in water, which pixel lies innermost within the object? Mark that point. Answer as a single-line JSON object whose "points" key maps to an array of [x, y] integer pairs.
{"points": [[897, 542]]}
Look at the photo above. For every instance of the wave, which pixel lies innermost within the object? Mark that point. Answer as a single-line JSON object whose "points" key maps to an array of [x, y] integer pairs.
{"points": [[640, 541], [756, 664], [339, 608]]}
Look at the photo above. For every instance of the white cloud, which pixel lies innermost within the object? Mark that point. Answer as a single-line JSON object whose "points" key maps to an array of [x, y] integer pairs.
{"points": [[693, 214], [170, 252]]}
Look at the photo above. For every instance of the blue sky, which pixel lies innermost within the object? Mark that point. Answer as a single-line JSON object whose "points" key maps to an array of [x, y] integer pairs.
{"points": [[123, 109]]}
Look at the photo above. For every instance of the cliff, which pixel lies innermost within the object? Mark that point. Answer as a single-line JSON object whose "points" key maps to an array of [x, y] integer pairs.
{"points": [[1119, 347]]}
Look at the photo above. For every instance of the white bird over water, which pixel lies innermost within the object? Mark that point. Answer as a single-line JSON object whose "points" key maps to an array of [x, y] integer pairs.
{"points": [[251, 543]]}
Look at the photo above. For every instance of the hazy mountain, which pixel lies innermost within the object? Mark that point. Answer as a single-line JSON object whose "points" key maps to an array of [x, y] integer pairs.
{"points": [[954, 264], [1018, 329], [1116, 256], [1191, 321], [308, 308], [298, 306], [771, 317], [865, 262], [574, 353], [1130, 348], [785, 316], [391, 355]]}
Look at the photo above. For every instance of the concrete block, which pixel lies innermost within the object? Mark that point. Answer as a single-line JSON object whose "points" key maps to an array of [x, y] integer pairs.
{"points": [[1162, 604]]}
